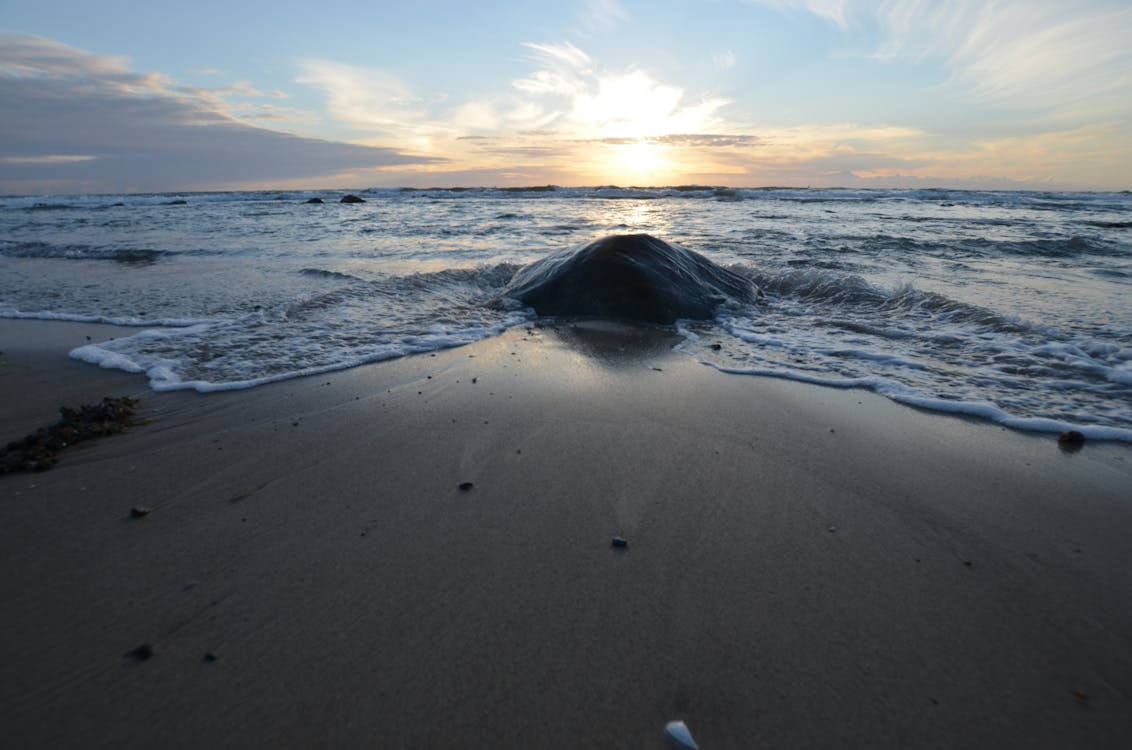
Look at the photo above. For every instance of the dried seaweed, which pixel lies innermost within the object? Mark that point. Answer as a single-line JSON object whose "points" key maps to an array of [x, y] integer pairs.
{"points": [[40, 450]]}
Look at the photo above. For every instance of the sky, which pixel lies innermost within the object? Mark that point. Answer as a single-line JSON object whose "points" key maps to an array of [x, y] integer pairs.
{"points": [[124, 96]]}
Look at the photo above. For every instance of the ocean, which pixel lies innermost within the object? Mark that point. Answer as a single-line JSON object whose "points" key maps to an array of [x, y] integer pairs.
{"points": [[1013, 307]]}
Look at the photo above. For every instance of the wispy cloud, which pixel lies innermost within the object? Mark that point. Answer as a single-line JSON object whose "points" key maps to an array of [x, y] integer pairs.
{"points": [[1063, 58], [603, 16], [599, 104], [836, 12], [724, 60], [362, 96], [78, 121]]}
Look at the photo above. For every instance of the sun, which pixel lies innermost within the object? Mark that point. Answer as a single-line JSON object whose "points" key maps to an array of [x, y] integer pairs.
{"points": [[639, 162]]}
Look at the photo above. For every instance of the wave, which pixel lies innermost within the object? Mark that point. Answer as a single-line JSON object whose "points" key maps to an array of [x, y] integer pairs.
{"points": [[1035, 200], [128, 321], [129, 255], [910, 397]]}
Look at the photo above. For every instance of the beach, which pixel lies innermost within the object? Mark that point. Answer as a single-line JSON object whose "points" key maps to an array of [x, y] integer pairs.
{"points": [[418, 553]]}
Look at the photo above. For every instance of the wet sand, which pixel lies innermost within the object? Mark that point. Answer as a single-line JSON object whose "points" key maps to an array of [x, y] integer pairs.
{"points": [[805, 568]]}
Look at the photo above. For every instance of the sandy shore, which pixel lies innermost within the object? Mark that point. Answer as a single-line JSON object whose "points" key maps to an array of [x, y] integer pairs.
{"points": [[806, 567]]}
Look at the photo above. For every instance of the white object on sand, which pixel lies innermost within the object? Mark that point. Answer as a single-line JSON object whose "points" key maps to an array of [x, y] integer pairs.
{"points": [[678, 731]]}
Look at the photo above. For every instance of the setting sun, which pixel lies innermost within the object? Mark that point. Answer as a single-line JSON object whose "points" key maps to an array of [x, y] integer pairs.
{"points": [[639, 162]]}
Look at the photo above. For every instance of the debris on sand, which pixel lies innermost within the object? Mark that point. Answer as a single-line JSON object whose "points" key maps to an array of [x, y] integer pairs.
{"points": [[39, 451]]}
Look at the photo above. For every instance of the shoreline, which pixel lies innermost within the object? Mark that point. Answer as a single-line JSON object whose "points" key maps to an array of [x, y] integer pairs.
{"points": [[806, 566]]}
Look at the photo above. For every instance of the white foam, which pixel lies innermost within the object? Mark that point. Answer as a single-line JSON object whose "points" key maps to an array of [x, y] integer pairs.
{"points": [[126, 321], [902, 394]]}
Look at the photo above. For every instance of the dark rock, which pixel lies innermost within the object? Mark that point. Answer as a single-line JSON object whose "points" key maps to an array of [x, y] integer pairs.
{"points": [[351, 199], [466, 486], [210, 658], [143, 652], [140, 511], [1072, 437], [630, 276], [716, 347], [620, 542], [315, 200], [178, 202]]}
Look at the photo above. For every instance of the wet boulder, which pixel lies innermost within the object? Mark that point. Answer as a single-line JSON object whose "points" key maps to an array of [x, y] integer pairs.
{"points": [[629, 276]]}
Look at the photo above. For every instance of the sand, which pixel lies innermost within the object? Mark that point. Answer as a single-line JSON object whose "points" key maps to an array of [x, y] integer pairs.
{"points": [[806, 567]]}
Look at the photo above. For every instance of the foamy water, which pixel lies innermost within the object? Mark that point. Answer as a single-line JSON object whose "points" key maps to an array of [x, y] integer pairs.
{"points": [[1009, 306]]}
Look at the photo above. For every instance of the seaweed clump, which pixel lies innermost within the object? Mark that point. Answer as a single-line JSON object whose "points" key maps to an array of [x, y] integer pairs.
{"points": [[39, 451]]}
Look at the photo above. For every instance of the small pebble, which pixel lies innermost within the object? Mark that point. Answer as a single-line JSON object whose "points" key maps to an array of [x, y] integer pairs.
{"points": [[466, 486], [210, 657], [140, 511], [143, 652], [1072, 437], [678, 732], [620, 541], [716, 347]]}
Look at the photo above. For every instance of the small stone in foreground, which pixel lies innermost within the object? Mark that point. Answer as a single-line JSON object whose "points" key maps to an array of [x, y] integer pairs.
{"points": [[620, 541], [466, 486], [1071, 437], [678, 732], [143, 652], [140, 511], [210, 657]]}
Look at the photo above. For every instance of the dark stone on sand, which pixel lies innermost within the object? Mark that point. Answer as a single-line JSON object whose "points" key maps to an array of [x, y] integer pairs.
{"points": [[143, 652], [716, 347], [209, 658], [1072, 437], [629, 276], [140, 511], [351, 199], [315, 200], [466, 486], [619, 541]]}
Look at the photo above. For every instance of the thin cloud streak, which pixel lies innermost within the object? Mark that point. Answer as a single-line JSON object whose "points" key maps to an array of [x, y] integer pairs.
{"points": [[1063, 58]]}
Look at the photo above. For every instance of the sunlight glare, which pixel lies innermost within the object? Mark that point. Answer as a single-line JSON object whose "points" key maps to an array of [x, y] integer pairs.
{"points": [[640, 162]]}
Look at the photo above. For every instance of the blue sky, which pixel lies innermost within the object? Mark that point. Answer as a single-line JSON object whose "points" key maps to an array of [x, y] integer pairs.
{"points": [[144, 96]]}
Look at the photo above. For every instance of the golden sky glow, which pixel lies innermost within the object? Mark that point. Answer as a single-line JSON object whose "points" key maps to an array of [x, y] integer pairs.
{"points": [[1018, 93]]}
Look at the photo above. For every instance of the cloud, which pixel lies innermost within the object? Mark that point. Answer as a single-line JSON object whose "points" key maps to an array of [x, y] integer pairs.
{"points": [[594, 103], [1066, 59], [835, 12], [76, 121], [362, 96], [724, 60], [603, 16]]}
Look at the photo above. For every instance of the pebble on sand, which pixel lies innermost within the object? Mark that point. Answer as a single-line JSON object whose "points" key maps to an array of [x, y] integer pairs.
{"points": [[678, 732], [1071, 437], [143, 652]]}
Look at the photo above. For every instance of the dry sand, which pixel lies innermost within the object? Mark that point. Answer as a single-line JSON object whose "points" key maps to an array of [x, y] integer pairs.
{"points": [[806, 567]]}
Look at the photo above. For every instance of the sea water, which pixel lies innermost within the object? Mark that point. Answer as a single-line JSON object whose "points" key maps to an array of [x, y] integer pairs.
{"points": [[1010, 306]]}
